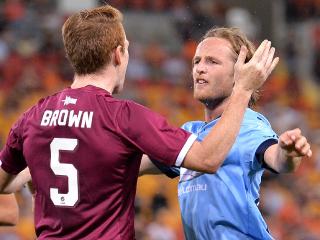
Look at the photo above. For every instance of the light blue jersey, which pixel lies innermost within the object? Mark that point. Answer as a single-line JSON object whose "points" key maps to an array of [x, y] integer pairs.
{"points": [[223, 205]]}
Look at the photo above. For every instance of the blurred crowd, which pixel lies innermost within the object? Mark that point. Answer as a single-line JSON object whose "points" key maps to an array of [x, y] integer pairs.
{"points": [[163, 36]]}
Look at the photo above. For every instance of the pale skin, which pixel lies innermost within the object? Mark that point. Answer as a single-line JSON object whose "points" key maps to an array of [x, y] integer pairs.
{"points": [[205, 156], [214, 70], [9, 210]]}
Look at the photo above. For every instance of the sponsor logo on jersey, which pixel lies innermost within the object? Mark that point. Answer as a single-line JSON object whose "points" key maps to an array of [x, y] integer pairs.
{"points": [[69, 100], [192, 188]]}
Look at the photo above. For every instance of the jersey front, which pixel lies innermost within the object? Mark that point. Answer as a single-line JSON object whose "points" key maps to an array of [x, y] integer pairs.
{"points": [[223, 205], [84, 148]]}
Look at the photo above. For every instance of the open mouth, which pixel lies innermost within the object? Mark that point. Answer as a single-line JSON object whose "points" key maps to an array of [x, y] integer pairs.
{"points": [[201, 81]]}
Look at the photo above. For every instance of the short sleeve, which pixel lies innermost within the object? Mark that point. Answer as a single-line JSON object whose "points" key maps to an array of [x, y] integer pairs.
{"points": [[151, 133], [172, 171], [11, 156], [262, 149], [258, 138], [169, 171]]}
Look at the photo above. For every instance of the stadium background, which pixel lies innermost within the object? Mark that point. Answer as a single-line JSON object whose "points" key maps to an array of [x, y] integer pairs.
{"points": [[163, 35]]}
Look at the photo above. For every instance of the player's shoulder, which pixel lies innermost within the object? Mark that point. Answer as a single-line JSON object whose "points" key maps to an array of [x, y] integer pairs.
{"points": [[192, 126], [252, 117], [41, 103], [130, 105], [255, 122]]}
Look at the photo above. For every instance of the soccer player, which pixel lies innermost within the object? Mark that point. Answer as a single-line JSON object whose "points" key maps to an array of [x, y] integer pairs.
{"points": [[83, 147], [224, 205], [9, 210]]}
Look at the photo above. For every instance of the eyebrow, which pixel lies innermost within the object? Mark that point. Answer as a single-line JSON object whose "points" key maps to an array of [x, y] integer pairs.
{"points": [[206, 58], [194, 58], [212, 58]]}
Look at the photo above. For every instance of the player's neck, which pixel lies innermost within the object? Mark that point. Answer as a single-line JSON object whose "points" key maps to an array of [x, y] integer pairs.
{"points": [[104, 79], [214, 111]]}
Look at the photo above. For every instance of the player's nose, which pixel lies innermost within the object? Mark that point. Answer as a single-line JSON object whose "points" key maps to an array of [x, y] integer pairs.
{"points": [[200, 68]]}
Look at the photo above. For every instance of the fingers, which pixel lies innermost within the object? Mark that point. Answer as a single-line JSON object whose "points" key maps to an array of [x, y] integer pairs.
{"points": [[273, 65], [300, 142], [260, 50], [285, 140], [294, 133], [270, 57], [242, 56], [295, 143], [309, 153], [303, 147], [251, 75], [267, 61], [289, 137], [305, 150], [265, 54], [264, 58]]}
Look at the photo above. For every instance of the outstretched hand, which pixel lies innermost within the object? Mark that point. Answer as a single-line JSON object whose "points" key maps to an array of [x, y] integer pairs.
{"points": [[251, 75], [295, 144]]}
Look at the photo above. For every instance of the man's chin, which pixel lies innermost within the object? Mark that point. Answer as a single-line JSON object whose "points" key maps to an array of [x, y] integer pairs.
{"points": [[201, 98]]}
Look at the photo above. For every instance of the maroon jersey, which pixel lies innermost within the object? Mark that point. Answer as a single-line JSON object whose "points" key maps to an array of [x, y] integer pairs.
{"points": [[84, 148]]}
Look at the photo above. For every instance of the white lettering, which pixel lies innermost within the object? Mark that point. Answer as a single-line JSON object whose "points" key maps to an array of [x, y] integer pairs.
{"points": [[74, 119], [46, 118], [62, 120], [87, 119], [192, 188], [54, 118], [68, 118]]}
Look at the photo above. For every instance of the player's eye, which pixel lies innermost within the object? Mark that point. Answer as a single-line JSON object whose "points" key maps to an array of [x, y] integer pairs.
{"points": [[211, 61], [196, 61]]}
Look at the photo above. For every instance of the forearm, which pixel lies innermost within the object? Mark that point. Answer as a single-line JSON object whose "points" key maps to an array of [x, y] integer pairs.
{"points": [[5, 178], [278, 159], [217, 144], [9, 211], [147, 167], [18, 182]]}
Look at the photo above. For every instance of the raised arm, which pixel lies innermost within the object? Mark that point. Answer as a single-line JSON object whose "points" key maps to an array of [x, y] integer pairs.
{"points": [[208, 155], [9, 211], [286, 156]]}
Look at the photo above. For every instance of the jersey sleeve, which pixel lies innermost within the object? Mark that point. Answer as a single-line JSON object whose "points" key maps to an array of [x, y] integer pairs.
{"points": [[151, 133], [11, 156], [261, 150], [171, 171], [261, 137]]}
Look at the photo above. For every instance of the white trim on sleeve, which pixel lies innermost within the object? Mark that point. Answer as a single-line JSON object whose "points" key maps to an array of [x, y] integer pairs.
{"points": [[185, 149]]}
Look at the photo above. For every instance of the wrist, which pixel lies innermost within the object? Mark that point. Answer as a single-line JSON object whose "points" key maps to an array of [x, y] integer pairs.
{"points": [[242, 93]]}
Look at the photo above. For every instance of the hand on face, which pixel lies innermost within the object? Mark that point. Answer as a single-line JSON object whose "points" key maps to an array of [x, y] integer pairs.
{"points": [[251, 75], [295, 144]]}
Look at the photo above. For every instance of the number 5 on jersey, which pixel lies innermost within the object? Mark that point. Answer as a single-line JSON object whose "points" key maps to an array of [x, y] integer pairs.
{"points": [[64, 169]]}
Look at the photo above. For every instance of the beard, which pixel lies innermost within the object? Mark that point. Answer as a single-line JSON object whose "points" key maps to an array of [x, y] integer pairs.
{"points": [[211, 103], [212, 99]]}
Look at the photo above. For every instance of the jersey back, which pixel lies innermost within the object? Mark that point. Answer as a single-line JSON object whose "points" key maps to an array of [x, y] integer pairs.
{"points": [[83, 148]]}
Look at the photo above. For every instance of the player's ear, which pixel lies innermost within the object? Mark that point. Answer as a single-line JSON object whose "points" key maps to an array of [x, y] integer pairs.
{"points": [[117, 55]]}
